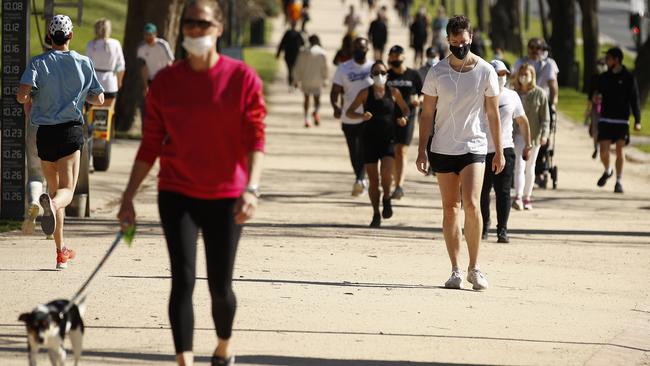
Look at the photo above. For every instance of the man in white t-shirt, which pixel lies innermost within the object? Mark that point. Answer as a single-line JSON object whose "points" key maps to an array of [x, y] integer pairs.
{"points": [[460, 89], [350, 78], [510, 108], [154, 53]]}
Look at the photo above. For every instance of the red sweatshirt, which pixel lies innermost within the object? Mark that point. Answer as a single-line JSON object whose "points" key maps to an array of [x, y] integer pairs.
{"points": [[203, 125]]}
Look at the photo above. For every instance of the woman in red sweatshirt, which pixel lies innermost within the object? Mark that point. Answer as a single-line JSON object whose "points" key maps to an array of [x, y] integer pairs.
{"points": [[205, 121]]}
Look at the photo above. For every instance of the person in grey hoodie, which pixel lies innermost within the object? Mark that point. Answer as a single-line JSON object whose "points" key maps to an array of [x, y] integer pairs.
{"points": [[311, 74]]}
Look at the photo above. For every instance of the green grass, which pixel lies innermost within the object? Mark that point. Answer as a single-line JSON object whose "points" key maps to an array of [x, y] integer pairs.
{"points": [[264, 62], [9, 225], [643, 147]]}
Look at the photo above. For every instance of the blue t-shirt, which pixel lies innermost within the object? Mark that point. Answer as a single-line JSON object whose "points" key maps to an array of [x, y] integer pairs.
{"points": [[60, 82]]}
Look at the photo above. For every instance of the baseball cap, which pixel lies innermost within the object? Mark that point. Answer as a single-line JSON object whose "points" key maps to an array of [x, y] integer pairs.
{"points": [[499, 66], [150, 28], [615, 52], [396, 49], [60, 23]]}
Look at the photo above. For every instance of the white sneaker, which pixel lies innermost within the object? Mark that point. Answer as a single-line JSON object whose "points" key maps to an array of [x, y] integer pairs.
{"points": [[517, 204], [477, 279], [455, 280], [30, 221], [357, 188]]}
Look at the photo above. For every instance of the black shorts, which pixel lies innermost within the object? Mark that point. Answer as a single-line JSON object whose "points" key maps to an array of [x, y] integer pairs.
{"points": [[441, 163], [58, 141], [375, 149], [404, 135], [112, 95], [613, 132]]}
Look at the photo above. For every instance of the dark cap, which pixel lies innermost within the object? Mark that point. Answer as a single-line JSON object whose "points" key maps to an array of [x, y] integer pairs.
{"points": [[396, 49], [615, 52]]}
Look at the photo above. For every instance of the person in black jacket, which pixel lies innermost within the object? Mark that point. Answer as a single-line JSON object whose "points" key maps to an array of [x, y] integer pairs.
{"points": [[418, 36], [619, 94], [378, 34], [290, 44]]}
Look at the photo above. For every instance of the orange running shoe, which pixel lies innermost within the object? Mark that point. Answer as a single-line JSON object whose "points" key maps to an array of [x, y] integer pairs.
{"points": [[63, 256]]}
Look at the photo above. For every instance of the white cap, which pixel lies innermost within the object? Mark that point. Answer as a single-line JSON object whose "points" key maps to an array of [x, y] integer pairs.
{"points": [[60, 23], [499, 66]]}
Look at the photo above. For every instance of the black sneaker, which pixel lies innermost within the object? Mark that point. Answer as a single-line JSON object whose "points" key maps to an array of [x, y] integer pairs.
{"points": [[376, 221], [618, 188], [387, 211], [595, 153], [220, 361], [502, 236], [603, 179]]}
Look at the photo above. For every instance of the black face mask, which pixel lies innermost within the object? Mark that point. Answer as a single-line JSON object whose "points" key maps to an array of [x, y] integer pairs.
{"points": [[359, 56], [459, 51], [396, 63]]}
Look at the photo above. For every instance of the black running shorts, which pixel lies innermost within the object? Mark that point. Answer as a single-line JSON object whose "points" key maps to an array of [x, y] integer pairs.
{"points": [[441, 163], [58, 141], [613, 132]]}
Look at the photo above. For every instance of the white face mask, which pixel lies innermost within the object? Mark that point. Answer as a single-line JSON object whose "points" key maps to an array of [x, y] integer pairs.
{"points": [[199, 46], [432, 61], [380, 79], [525, 79], [502, 82]]}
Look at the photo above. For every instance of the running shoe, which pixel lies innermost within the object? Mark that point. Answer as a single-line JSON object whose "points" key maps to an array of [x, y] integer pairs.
{"points": [[618, 188], [316, 118], [387, 211], [477, 279], [376, 220], [502, 236], [63, 256], [307, 124], [517, 204], [398, 193], [357, 188], [455, 280], [48, 221], [528, 204], [220, 361], [30, 221], [603, 179]]}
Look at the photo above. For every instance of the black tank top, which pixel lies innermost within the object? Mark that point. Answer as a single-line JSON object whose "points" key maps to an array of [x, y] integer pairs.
{"points": [[383, 113]]}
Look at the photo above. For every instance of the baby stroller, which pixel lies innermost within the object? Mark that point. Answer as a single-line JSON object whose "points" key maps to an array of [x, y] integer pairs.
{"points": [[545, 168]]}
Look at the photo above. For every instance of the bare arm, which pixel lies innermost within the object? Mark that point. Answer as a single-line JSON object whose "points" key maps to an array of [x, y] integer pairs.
{"points": [[552, 93], [524, 128], [24, 93], [120, 79], [400, 102], [351, 112], [95, 99], [426, 130], [492, 111], [144, 73], [335, 93]]}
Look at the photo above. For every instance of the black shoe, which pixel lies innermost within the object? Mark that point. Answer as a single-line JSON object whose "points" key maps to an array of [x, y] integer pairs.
{"points": [[618, 188], [603, 179], [387, 212], [220, 361], [595, 154], [484, 233], [502, 236], [376, 221]]}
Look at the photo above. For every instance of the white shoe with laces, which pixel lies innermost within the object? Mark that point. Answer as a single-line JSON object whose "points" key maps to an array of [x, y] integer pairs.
{"points": [[477, 279], [455, 280]]}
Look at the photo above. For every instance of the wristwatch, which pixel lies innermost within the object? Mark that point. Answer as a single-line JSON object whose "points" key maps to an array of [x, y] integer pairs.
{"points": [[254, 190]]}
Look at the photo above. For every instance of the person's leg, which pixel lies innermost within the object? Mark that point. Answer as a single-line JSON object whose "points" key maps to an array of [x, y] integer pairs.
{"points": [[52, 178], [449, 184], [520, 171], [181, 232], [353, 139], [604, 153], [470, 183], [620, 161], [305, 107], [373, 186], [502, 184], [221, 236], [387, 170], [316, 114], [529, 173], [488, 179], [401, 154]]}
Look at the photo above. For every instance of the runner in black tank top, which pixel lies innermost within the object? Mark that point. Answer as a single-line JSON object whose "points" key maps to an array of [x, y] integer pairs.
{"points": [[378, 134]]}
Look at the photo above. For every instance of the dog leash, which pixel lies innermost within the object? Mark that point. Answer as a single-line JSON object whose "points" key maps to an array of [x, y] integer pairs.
{"points": [[126, 234]]}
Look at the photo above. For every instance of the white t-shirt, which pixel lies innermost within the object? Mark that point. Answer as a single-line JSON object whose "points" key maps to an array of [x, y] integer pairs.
{"points": [[353, 78], [545, 70], [510, 107], [108, 59], [461, 98], [156, 57]]}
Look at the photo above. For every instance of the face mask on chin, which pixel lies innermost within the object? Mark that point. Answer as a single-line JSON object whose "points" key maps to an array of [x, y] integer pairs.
{"points": [[198, 46], [459, 51]]}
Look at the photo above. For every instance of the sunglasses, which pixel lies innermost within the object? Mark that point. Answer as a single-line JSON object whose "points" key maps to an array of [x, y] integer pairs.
{"points": [[376, 73], [198, 23]]}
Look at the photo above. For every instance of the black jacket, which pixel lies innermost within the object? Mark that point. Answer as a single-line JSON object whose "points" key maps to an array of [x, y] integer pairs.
{"points": [[620, 95]]}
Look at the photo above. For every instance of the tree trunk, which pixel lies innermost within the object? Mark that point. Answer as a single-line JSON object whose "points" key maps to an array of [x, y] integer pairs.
{"points": [[563, 18], [589, 9], [642, 73], [466, 7], [165, 14], [505, 25], [480, 14], [543, 19]]}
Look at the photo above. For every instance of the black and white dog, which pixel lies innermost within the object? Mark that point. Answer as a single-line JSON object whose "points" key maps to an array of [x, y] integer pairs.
{"points": [[47, 326]]}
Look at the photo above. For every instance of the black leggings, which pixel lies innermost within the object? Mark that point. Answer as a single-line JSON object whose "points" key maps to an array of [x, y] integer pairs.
{"points": [[502, 183], [353, 136], [181, 219]]}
